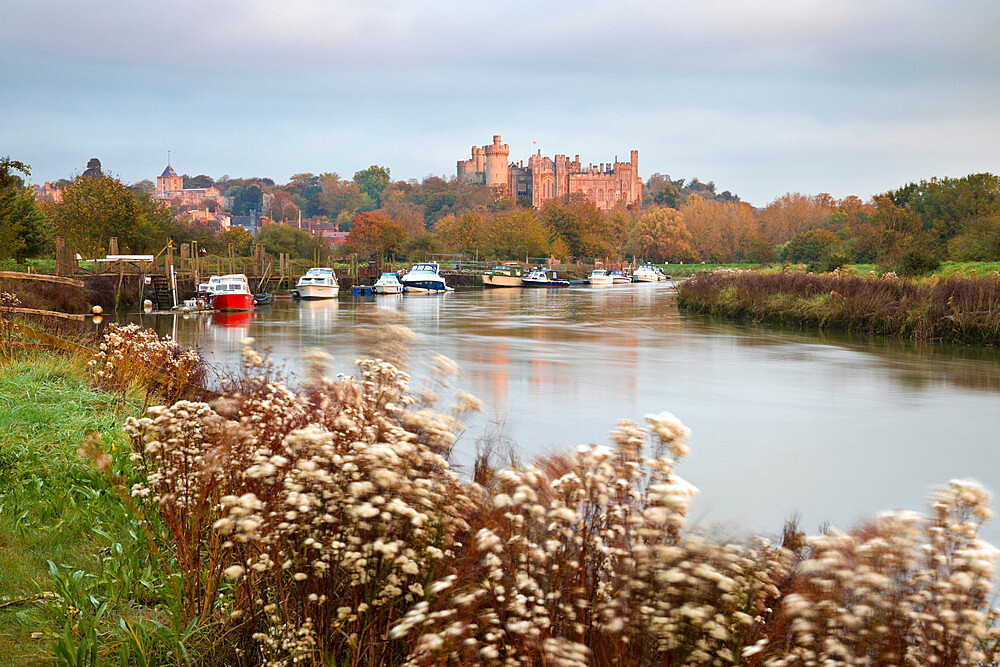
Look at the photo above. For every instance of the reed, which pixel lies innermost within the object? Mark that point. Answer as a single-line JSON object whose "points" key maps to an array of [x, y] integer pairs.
{"points": [[951, 310]]}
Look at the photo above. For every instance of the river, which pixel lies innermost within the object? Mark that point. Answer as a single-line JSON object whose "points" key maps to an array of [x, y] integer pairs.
{"points": [[832, 427]]}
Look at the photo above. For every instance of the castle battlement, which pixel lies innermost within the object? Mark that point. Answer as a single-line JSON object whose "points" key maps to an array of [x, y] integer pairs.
{"points": [[547, 178]]}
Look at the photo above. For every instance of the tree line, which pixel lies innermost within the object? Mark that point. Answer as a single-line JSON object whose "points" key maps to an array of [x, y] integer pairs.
{"points": [[680, 220]]}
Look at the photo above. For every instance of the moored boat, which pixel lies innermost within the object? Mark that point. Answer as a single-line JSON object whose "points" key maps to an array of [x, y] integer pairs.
{"points": [[645, 274], [317, 283], [600, 277], [424, 277], [388, 283], [504, 275], [232, 293], [620, 278], [544, 278]]}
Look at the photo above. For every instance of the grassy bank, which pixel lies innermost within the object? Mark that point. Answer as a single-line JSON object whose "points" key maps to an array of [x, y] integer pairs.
{"points": [[54, 506], [322, 524], [952, 310]]}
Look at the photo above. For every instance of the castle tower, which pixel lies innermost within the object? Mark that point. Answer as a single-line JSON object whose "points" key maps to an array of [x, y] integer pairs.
{"points": [[496, 163], [168, 181]]}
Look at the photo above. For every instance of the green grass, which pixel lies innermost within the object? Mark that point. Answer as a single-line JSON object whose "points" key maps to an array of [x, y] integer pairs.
{"points": [[53, 505]]}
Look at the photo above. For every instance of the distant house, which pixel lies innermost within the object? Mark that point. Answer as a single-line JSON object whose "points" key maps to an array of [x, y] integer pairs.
{"points": [[213, 219]]}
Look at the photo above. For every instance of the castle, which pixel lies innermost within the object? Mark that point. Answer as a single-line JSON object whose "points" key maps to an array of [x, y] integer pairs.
{"points": [[170, 189], [548, 178]]}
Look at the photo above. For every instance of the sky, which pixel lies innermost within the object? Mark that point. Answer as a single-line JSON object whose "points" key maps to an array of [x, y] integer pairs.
{"points": [[762, 97]]}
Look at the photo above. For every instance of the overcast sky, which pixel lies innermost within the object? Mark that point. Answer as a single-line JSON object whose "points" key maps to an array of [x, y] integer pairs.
{"points": [[763, 97]]}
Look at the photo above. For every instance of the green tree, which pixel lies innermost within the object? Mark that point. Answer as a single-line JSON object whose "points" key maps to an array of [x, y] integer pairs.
{"points": [[372, 182], [281, 238], [199, 181], [248, 198], [808, 246], [23, 232], [93, 209]]}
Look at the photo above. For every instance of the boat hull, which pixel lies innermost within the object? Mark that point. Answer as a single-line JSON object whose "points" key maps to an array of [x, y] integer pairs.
{"points": [[232, 302], [388, 289], [644, 279], [490, 280], [318, 291], [424, 286], [601, 281], [621, 280], [528, 282]]}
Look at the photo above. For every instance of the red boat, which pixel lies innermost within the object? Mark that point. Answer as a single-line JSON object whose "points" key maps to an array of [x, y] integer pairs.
{"points": [[233, 294]]}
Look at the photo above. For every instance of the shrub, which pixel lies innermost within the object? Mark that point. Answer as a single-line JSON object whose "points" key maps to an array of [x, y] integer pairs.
{"points": [[916, 262]]}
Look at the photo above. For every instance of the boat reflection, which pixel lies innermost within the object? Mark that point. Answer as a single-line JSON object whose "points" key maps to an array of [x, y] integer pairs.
{"points": [[232, 319]]}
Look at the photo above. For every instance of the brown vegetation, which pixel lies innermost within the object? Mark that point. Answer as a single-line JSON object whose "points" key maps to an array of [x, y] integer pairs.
{"points": [[325, 526], [954, 310]]}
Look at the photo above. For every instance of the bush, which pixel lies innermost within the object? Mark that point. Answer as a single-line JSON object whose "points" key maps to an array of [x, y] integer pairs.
{"points": [[916, 262]]}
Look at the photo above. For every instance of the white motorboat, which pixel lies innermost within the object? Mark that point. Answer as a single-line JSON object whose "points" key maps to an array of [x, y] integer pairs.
{"points": [[544, 278], [599, 278], [317, 283], [504, 275], [620, 278], [645, 274], [660, 275], [424, 277], [388, 283]]}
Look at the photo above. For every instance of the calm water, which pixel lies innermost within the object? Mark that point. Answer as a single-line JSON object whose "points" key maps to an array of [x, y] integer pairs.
{"points": [[832, 427]]}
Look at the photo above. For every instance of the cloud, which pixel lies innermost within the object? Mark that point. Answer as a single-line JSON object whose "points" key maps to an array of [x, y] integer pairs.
{"points": [[829, 87]]}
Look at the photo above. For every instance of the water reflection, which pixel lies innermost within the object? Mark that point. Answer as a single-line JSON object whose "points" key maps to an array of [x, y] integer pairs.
{"points": [[833, 426]]}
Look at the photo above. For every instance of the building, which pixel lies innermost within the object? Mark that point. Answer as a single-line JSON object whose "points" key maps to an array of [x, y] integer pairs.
{"points": [[170, 190], [47, 193], [548, 178]]}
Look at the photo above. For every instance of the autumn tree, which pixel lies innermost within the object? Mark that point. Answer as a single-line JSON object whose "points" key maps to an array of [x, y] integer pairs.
{"points": [[375, 234], [239, 238], [661, 235], [514, 234], [578, 225], [338, 196], [721, 231], [93, 209], [794, 213], [461, 233]]}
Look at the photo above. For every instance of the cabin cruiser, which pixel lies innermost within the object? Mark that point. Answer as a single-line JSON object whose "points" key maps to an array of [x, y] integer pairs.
{"points": [[388, 283], [504, 275], [424, 277], [645, 274], [544, 278], [660, 275], [317, 283], [620, 278], [600, 277], [232, 293]]}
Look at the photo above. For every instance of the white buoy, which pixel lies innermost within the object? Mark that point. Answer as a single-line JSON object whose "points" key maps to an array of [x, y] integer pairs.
{"points": [[147, 305], [97, 310]]}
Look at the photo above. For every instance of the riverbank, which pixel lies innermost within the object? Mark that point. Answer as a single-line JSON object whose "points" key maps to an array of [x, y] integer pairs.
{"points": [[334, 505], [950, 310], [54, 506]]}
